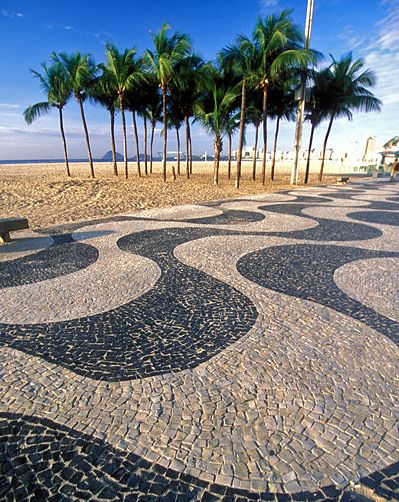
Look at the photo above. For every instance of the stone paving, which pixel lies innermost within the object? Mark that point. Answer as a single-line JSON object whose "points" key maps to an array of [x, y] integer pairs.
{"points": [[234, 350]]}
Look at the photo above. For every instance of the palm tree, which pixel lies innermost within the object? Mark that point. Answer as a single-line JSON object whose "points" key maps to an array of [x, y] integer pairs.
{"points": [[254, 117], [242, 60], [104, 92], [79, 71], [188, 79], [153, 110], [350, 91], [168, 51], [213, 110], [175, 119], [318, 107], [134, 103], [123, 73], [55, 87], [231, 127], [278, 42], [281, 106]]}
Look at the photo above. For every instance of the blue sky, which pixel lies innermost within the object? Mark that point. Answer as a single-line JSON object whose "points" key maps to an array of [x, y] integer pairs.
{"points": [[30, 31]]}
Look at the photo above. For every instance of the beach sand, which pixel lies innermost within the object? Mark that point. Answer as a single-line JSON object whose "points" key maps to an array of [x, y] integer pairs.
{"points": [[43, 194]]}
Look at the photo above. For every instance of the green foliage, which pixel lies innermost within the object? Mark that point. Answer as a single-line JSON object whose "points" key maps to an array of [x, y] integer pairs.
{"points": [[55, 86], [168, 51]]}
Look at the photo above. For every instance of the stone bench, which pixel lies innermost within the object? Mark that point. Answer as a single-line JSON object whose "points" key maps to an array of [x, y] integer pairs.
{"points": [[8, 225], [343, 180]]}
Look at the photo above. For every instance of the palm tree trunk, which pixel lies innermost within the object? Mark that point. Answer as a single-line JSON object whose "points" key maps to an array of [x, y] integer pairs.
{"points": [[145, 145], [121, 107], [309, 152], [217, 144], [64, 142], [178, 150], [136, 137], [191, 150], [241, 134], [325, 147], [229, 156], [115, 165], [187, 146], [256, 148], [165, 132], [82, 113], [264, 116], [152, 143], [275, 147]]}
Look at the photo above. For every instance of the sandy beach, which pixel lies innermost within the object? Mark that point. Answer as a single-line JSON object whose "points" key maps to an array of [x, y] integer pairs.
{"points": [[43, 194]]}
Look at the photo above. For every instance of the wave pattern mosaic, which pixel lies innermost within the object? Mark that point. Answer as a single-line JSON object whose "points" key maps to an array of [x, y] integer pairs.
{"points": [[242, 349]]}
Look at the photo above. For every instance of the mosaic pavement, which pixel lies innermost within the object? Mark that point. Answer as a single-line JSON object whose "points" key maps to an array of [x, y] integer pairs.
{"points": [[236, 350]]}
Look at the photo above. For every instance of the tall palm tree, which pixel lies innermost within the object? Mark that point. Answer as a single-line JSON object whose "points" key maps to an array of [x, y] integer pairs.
{"points": [[318, 107], [189, 75], [231, 127], [123, 73], [168, 51], [135, 104], [104, 92], [175, 119], [241, 59], [254, 117], [53, 83], [350, 90], [281, 106], [153, 110], [213, 110], [278, 42], [79, 71]]}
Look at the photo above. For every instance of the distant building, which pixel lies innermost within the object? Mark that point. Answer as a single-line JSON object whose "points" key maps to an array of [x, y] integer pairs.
{"points": [[248, 153], [390, 151], [369, 152]]}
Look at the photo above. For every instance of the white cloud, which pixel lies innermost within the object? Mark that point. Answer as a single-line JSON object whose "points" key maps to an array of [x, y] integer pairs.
{"points": [[11, 14], [9, 106], [266, 5]]}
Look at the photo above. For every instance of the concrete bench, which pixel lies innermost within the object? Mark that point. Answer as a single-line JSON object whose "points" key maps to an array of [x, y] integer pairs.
{"points": [[8, 225], [343, 180]]}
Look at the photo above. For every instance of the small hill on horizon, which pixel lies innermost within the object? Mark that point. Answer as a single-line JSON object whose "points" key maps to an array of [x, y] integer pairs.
{"points": [[108, 156]]}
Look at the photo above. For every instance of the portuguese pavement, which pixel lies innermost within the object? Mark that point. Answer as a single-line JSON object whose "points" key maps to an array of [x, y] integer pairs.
{"points": [[241, 349]]}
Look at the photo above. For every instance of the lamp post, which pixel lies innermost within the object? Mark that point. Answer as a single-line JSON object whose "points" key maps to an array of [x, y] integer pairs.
{"points": [[301, 98]]}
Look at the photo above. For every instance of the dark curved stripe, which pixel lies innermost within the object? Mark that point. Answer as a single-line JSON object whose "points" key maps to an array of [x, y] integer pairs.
{"points": [[228, 217], [306, 271], [327, 230], [42, 459], [184, 320], [395, 198], [63, 257], [73, 227], [344, 195], [383, 206], [379, 217]]}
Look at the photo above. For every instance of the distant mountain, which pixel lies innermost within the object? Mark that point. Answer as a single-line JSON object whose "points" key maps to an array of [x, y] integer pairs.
{"points": [[108, 156]]}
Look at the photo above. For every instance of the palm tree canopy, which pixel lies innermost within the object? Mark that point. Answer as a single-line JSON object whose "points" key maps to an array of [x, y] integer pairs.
{"points": [[123, 69], [79, 71], [276, 46], [350, 87], [153, 100], [168, 51], [188, 79], [56, 88], [214, 108], [104, 92], [281, 100], [322, 99], [37, 110]]}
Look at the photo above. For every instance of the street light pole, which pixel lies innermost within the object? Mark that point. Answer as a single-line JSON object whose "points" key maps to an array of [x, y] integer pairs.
{"points": [[302, 98]]}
